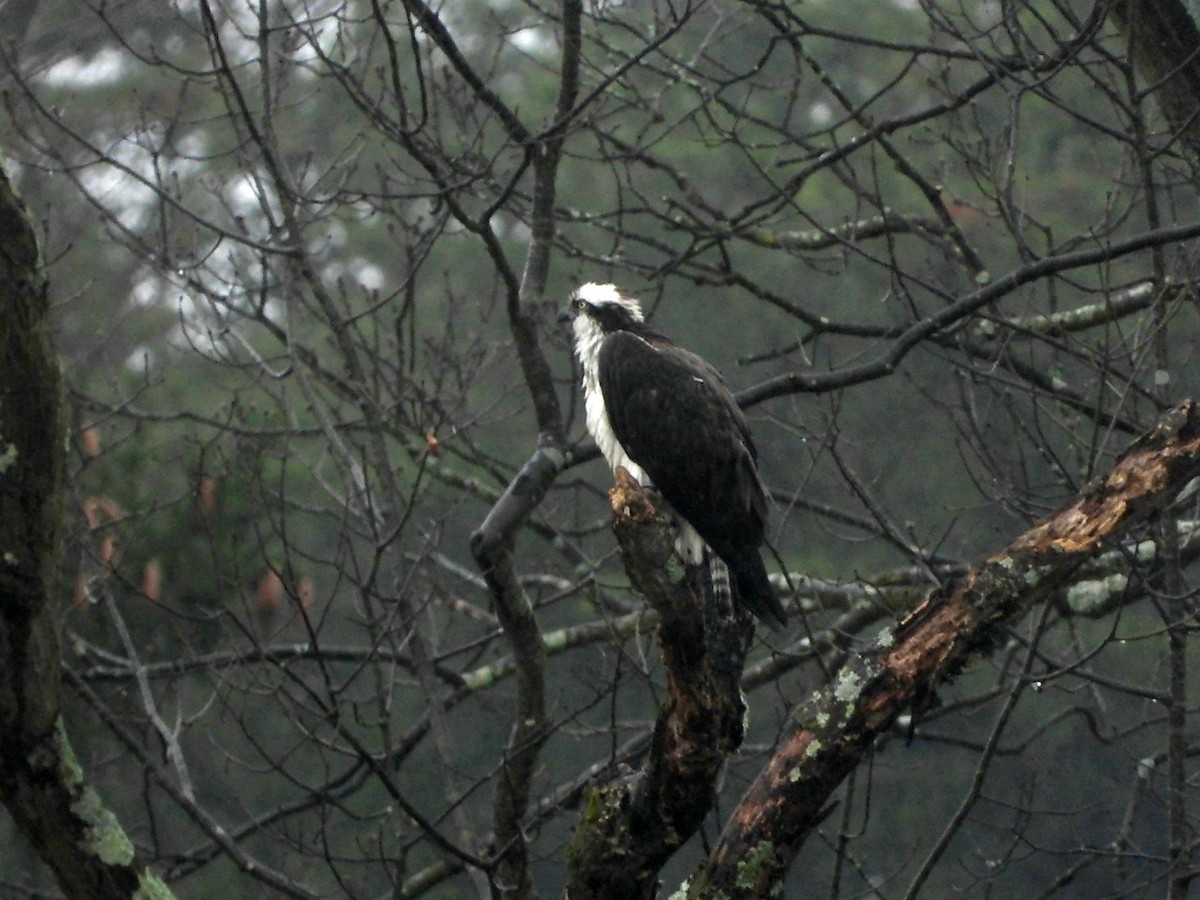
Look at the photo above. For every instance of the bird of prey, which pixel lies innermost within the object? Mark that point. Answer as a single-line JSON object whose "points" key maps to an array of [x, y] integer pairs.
{"points": [[666, 416]]}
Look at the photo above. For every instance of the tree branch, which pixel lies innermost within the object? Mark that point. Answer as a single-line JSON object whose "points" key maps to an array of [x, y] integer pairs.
{"points": [[547, 153], [962, 619], [632, 825], [530, 731], [916, 333], [1165, 43], [887, 223]]}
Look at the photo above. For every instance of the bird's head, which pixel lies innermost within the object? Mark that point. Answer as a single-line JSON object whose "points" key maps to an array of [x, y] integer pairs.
{"points": [[598, 309]]}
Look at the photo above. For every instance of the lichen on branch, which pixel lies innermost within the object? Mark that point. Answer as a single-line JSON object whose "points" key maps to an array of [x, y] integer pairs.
{"points": [[954, 624]]}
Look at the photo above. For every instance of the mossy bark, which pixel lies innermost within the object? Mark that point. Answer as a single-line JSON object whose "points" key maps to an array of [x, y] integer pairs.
{"points": [[956, 623], [40, 781], [633, 823]]}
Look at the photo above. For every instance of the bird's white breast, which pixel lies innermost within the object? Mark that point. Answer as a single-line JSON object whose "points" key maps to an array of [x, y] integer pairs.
{"points": [[588, 340]]}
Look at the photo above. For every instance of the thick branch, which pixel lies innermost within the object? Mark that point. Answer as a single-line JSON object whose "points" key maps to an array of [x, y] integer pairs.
{"points": [[491, 543], [1112, 309], [529, 732], [962, 619], [547, 153], [889, 222], [632, 825], [522, 496], [40, 781]]}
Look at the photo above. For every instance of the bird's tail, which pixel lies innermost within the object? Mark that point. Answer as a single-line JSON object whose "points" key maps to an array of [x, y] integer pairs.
{"points": [[754, 589], [718, 580]]}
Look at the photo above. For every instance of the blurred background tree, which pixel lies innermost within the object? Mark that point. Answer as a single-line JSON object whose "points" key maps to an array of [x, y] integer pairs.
{"points": [[305, 259]]}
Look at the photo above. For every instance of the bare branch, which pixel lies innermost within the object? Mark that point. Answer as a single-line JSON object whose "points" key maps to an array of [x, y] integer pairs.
{"points": [[948, 316], [930, 645]]}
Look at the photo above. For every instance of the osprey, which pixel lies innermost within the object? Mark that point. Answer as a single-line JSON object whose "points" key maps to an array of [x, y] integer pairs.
{"points": [[666, 415]]}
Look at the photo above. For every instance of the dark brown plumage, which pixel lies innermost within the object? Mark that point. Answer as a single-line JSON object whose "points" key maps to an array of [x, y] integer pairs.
{"points": [[671, 414]]}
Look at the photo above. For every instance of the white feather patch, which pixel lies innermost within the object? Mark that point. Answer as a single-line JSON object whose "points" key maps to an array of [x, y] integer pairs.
{"points": [[588, 340], [609, 294]]}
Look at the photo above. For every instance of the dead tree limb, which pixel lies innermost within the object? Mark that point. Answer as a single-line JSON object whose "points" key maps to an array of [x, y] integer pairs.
{"points": [[631, 826], [961, 620]]}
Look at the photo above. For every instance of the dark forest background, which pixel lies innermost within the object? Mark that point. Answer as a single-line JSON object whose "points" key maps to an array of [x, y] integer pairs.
{"points": [[304, 260]]}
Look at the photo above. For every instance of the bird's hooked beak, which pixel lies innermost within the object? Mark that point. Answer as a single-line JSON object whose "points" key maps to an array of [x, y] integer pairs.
{"points": [[566, 315]]}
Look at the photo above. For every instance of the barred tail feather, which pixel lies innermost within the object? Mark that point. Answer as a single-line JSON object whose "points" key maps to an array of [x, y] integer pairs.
{"points": [[718, 579], [754, 589]]}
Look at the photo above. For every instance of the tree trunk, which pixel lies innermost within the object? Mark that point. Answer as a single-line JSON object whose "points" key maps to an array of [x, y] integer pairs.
{"points": [[633, 824], [40, 781], [1164, 42]]}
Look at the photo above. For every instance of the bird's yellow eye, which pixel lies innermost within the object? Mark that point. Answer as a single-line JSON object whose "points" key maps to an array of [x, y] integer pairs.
{"points": [[580, 304]]}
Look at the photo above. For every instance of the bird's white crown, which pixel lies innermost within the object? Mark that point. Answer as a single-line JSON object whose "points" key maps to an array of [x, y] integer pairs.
{"points": [[608, 294]]}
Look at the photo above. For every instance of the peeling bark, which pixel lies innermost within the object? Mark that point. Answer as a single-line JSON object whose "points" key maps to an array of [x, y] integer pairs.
{"points": [[955, 623], [40, 782]]}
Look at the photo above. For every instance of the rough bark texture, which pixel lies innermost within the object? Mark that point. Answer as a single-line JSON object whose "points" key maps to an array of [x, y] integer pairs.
{"points": [[40, 781], [631, 826], [955, 623]]}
